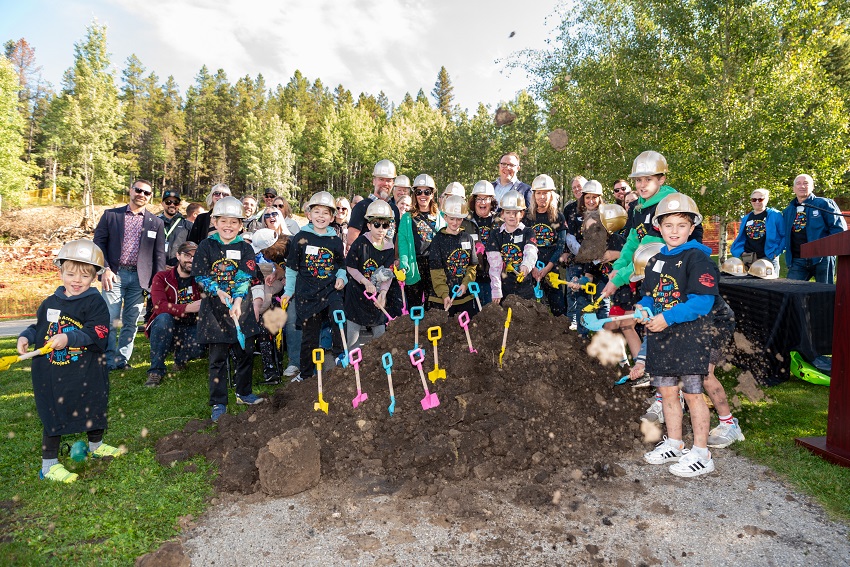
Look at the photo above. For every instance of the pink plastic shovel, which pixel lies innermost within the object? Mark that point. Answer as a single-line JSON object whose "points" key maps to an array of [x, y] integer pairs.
{"points": [[463, 319], [430, 400], [374, 298], [354, 357]]}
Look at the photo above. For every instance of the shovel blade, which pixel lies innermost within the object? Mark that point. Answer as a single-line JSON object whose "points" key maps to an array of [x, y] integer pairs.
{"points": [[240, 336], [391, 409], [359, 398], [321, 405], [437, 374], [430, 401], [592, 322], [7, 361]]}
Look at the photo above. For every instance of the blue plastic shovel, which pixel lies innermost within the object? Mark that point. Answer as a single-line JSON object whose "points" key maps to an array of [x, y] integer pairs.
{"points": [[387, 361], [339, 319], [475, 289], [416, 314], [538, 289], [240, 336]]}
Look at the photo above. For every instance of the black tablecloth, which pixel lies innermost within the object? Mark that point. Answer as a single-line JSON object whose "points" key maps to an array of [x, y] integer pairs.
{"points": [[776, 317]]}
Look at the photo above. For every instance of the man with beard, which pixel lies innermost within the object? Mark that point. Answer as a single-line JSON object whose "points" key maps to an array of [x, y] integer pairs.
{"points": [[383, 179]]}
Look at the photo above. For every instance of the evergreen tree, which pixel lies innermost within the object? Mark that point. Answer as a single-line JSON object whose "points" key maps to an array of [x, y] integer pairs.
{"points": [[442, 92], [15, 175]]}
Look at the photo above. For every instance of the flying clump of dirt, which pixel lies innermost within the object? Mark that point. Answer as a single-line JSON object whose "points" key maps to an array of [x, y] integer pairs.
{"points": [[549, 407]]}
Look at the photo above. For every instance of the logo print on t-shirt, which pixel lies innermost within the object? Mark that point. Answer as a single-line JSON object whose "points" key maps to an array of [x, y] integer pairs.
{"points": [[484, 233], [457, 262], [756, 230], [369, 267], [666, 294], [426, 233], [511, 256], [68, 354], [800, 221], [320, 265], [544, 234]]}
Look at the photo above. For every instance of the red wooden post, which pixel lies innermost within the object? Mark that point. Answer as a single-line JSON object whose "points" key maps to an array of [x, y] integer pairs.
{"points": [[835, 447]]}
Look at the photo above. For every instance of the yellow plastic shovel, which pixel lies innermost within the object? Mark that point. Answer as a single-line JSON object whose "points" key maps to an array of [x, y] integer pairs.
{"points": [[434, 335], [7, 361], [318, 360], [505, 336]]}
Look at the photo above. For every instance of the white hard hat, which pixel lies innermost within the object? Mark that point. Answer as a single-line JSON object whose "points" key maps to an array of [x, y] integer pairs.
{"points": [[228, 207], [455, 188], [262, 239], [384, 168]]}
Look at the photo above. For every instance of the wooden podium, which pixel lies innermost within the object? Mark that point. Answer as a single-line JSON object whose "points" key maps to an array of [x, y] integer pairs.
{"points": [[835, 447]]}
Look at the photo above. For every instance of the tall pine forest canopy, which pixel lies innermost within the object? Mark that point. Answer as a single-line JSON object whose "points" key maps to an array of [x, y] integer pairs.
{"points": [[736, 94]]}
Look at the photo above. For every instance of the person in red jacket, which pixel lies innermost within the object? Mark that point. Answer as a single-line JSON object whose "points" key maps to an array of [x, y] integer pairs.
{"points": [[173, 325]]}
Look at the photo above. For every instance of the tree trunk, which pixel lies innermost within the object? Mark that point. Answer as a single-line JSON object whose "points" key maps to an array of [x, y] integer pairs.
{"points": [[721, 238]]}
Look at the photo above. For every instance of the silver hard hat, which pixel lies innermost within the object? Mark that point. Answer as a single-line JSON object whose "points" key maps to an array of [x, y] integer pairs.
{"points": [[402, 181], [384, 168], [82, 250], [512, 201], [455, 188], [592, 187], [676, 203], [424, 180], [648, 163], [262, 239], [322, 198], [483, 187], [543, 183], [455, 206], [379, 209], [228, 207]]}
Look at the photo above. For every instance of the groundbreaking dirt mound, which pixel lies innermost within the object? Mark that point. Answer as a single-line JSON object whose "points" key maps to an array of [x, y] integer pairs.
{"points": [[551, 407]]}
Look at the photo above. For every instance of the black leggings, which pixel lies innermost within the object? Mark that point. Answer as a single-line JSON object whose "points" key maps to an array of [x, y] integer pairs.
{"points": [[50, 443]]}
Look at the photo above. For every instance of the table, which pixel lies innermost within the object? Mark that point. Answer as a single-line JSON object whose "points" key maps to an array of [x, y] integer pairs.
{"points": [[776, 317]]}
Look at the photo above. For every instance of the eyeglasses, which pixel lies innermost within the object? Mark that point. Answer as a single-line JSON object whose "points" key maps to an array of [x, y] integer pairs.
{"points": [[620, 189], [142, 192], [756, 200], [341, 209], [269, 196], [220, 194], [424, 192], [270, 215], [505, 164], [171, 202], [382, 224]]}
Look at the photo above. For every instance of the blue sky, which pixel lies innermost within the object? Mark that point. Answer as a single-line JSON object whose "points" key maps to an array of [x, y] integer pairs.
{"points": [[396, 46]]}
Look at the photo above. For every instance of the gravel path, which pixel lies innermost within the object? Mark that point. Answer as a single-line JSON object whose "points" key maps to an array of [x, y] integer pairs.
{"points": [[634, 515]]}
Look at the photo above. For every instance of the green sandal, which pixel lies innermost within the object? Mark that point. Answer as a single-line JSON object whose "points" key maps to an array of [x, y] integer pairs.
{"points": [[59, 473], [106, 451]]}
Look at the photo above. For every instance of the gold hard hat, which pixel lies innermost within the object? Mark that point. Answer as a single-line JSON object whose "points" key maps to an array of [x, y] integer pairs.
{"points": [[734, 266], [384, 168], [82, 250], [763, 269], [648, 163], [512, 201], [613, 217], [543, 183], [455, 206], [642, 255], [675, 203]]}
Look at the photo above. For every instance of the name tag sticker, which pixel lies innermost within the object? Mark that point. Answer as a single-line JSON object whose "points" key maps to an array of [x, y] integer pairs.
{"points": [[517, 239], [800, 209], [53, 315], [312, 250], [465, 245], [648, 219], [151, 234], [234, 254], [749, 223], [474, 236], [659, 265]]}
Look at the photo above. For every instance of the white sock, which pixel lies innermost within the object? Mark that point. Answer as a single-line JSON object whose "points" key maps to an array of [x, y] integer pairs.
{"points": [[47, 463], [701, 451], [678, 443], [94, 446]]}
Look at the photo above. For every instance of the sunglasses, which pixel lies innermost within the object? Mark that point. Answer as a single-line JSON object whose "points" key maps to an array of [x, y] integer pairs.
{"points": [[270, 196], [220, 194], [341, 209], [756, 200], [171, 202], [382, 224], [424, 192], [278, 206], [270, 215], [619, 189], [142, 192]]}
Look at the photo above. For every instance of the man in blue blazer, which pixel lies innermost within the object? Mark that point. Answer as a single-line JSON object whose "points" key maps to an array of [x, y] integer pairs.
{"points": [[808, 218], [507, 180], [762, 232], [133, 241]]}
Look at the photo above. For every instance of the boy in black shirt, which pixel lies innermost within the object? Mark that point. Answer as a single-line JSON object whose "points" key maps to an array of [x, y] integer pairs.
{"points": [[453, 260]]}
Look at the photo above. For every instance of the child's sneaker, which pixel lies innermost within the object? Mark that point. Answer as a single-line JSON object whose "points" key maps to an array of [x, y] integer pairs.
{"points": [[725, 434], [106, 451], [691, 464], [249, 399], [291, 371], [295, 379], [218, 411], [59, 473], [642, 382], [655, 413], [574, 324], [664, 452]]}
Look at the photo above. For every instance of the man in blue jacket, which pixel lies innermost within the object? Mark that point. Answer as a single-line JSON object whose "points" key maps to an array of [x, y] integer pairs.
{"points": [[507, 180], [808, 218], [762, 233]]}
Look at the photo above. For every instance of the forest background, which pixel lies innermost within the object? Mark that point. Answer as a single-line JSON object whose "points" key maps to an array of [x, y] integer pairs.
{"points": [[737, 94]]}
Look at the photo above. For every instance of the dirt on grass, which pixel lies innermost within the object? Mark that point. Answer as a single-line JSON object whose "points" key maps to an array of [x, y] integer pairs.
{"points": [[550, 407]]}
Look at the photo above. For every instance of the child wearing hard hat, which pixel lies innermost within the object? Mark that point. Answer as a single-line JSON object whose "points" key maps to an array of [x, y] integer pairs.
{"points": [[512, 251], [453, 260]]}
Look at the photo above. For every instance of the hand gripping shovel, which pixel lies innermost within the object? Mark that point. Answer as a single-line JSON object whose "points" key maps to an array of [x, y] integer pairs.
{"points": [[318, 359], [387, 361], [430, 400], [455, 293], [400, 276], [417, 314], [555, 281], [519, 275], [355, 357], [463, 319], [505, 337], [538, 289], [475, 289], [434, 335], [7, 361], [240, 336], [374, 298], [593, 323], [339, 319]]}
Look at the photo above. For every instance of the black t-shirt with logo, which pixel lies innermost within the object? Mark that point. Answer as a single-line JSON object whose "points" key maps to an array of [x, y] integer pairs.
{"points": [[755, 230], [798, 231]]}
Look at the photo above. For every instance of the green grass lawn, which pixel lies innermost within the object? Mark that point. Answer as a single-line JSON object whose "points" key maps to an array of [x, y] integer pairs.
{"points": [[115, 511], [119, 510]]}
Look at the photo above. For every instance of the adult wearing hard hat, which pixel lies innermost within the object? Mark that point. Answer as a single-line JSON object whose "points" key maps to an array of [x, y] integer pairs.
{"points": [[383, 180], [762, 232]]}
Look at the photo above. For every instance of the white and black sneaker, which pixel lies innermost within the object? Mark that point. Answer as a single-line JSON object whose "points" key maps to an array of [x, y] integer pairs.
{"points": [[691, 464], [664, 452]]}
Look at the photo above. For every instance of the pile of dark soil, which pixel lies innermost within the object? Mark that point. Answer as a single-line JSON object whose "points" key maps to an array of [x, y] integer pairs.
{"points": [[551, 407]]}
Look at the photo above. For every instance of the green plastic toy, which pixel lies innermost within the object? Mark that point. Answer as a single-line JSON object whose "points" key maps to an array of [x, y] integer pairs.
{"points": [[805, 371]]}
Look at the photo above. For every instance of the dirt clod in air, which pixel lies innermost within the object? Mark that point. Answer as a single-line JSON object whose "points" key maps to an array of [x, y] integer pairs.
{"points": [[504, 116], [558, 139]]}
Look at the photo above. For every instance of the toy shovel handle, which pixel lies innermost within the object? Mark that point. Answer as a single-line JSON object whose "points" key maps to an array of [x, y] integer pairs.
{"points": [[417, 313], [387, 361], [455, 291], [463, 319], [318, 356], [508, 320], [435, 333], [339, 316], [355, 356], [540, 265], [473, 288], [417, 356], [370, 296], [590, 288]]}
